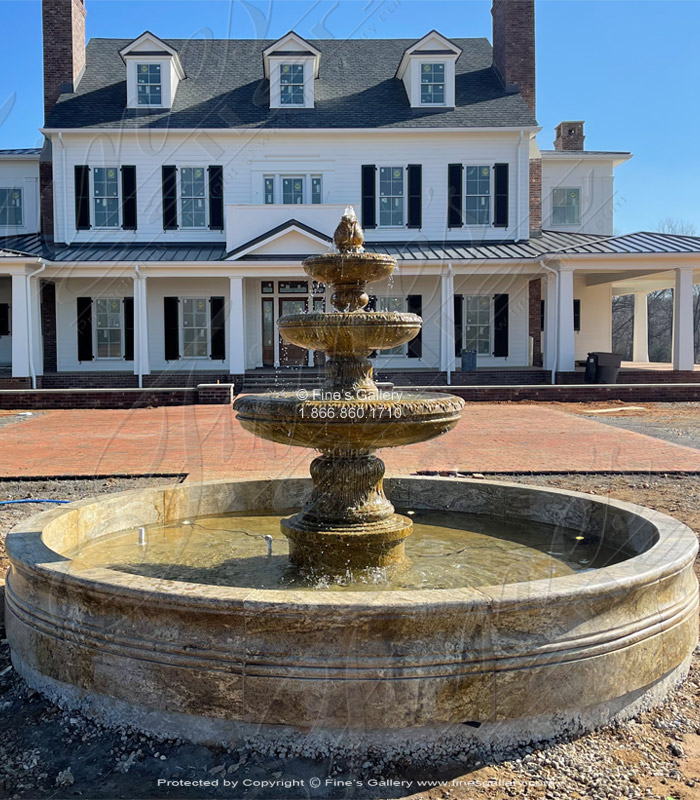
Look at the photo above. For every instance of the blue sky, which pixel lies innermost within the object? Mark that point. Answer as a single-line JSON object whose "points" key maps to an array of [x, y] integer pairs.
{"points": [[629, 68]]}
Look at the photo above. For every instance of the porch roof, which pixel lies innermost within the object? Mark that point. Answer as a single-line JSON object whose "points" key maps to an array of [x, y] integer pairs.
{"points": [[637, 243]]}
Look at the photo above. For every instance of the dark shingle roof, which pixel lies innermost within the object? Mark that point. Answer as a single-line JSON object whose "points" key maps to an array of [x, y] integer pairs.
{"points": [[225, 88]]}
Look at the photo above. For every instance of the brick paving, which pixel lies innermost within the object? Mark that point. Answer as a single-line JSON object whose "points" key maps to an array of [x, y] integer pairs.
{"points": [[206, 442]]}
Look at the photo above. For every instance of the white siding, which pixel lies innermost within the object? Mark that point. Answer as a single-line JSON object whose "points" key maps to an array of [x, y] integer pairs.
{"points": [[22, 174], [247, 156], [596, 318]]}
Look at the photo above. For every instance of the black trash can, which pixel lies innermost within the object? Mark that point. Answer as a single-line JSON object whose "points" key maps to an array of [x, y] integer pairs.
{"points": [[607, 367], [468, 360], [591, 367]]}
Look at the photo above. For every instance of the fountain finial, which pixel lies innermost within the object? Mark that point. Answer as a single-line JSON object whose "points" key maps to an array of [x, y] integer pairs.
{"points": [[349, 236]]}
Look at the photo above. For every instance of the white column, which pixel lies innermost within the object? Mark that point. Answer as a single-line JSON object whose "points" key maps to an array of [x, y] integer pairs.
{"points": [[447, 324], [236, 327], [683, 322], [37, 339], [21, 334], [141, 354], [640, 339], [550, 315], [565, 337]]}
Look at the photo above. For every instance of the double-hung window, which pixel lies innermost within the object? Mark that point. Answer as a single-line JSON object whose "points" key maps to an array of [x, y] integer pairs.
{"points": [[293, 189], [477, 332], [292, 84], [193, 197], [392, 196], [566, 206], [108, 328], [432, 84], [106, 197], [477, 204], [392, 304], [11, 207], [195, 327], [150, 87]]}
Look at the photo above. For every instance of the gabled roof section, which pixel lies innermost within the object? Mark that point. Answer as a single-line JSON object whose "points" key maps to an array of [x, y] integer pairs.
{"points": [[291, 226], [148, 44], [432, 44], [356, 89], [291, 44]]}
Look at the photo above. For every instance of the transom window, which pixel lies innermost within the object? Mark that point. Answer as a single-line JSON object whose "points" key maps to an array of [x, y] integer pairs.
{"points": [[566, 206], [195, 327], [292, 84], [477, 207], [477, 333], [150, 88], [193, 197], [432, 84], [391, 197], [11, 207], [106, 196], [108, 327], [293, 189]]}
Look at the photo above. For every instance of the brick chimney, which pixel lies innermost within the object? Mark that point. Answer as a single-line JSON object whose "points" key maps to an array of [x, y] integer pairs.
{"points": [[514, 45], [569, 136], [64, 48], [63, 23]]}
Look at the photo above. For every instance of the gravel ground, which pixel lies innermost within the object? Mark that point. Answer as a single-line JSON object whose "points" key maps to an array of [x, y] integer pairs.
{"points": [[48, 753]]}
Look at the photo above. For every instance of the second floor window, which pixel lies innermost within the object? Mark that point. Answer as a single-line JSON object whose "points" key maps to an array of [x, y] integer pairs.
{"points": [[477, 206], [292, 84], [149, 84], [106, 197], [391, 197], [432, 84], [293, 189], [193, 197], [108, 328], [566, 206], [11, 207]]}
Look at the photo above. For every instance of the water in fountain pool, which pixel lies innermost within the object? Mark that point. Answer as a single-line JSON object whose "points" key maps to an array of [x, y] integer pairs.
{"points": [[447, 550]]}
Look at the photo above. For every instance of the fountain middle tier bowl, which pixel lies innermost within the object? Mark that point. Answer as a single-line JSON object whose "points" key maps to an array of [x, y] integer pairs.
{"points": [[328, 420], [349, 268], [350, 333]]}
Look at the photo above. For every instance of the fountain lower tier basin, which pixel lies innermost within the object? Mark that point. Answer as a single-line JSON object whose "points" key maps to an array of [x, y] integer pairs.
{"points": [[319, 669], [327, 420]]}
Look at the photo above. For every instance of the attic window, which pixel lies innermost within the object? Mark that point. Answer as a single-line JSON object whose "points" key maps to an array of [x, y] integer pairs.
{"points": [[149, 84], [432, 84], [292, 84]]}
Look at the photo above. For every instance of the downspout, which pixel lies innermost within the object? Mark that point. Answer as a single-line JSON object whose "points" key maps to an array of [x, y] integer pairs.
{"points": [[64, 180], [138, 307], [555, 332], [519, 184], [30, 338]]}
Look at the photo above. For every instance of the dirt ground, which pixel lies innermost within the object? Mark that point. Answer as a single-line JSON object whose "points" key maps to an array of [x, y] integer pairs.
{"points": [[49, 753]]}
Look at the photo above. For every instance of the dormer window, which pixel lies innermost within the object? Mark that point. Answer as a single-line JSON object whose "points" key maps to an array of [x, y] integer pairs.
{"points": [[150, 88], [432, 84], [292, 84]]}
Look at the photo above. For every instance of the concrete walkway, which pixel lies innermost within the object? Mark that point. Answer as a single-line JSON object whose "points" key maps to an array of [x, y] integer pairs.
{"points": [[206, 442]]}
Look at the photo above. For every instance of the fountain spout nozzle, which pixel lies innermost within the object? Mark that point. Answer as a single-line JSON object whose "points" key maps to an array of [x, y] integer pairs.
{"points": [[268, 542]]}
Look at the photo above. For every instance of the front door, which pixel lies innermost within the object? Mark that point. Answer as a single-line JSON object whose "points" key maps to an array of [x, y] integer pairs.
{"points": [[290, 354]]}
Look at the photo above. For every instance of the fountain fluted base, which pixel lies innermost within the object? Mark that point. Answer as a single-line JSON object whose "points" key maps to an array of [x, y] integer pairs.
{"points": [[348, 525]]}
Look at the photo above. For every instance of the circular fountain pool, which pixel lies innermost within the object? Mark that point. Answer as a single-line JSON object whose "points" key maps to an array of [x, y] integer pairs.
{"points": [[502, 618]]}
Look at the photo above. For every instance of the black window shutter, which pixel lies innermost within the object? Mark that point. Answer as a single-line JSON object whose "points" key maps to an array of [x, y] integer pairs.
{"points": [[218, 328], [82, 198], [500, 191], [369, 196], [454, 195], [415, 195], [500, 325], [459, 319], [129, 212], [414, 303], [84, 327], [129, 328], [171, 322], [4, 319], [216, 198], [577, 315], [169, 198]]}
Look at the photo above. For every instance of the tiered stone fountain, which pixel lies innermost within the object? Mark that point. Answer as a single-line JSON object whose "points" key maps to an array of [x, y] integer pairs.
{"points": [[520, 612], [348, 524]]}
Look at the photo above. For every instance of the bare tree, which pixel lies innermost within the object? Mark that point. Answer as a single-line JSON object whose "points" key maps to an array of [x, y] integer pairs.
{"points": [[680, 227]]}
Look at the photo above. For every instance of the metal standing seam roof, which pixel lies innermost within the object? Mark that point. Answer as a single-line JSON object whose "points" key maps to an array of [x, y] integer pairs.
{"points": [[21, 151], [225, 88], [637, 244]]}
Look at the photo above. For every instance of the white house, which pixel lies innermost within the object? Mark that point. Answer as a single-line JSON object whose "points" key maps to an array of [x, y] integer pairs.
{"points": [[184, 181]]}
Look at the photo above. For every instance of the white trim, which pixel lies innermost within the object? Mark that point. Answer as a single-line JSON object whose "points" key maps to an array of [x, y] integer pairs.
{"points": [[279, 235], [139, 131]]}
